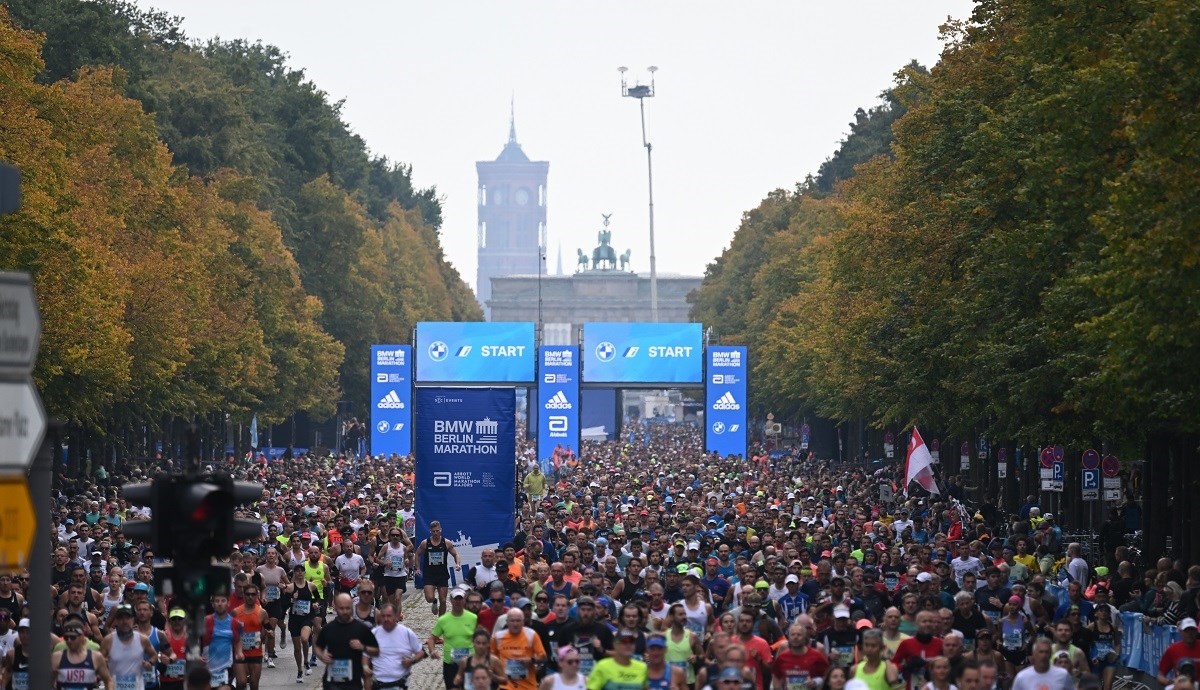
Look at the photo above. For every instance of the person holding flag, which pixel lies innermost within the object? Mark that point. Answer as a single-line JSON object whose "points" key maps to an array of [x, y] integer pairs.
{"points": [[918, 465]]}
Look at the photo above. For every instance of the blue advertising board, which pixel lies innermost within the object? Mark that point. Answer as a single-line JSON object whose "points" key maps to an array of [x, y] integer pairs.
{"points": [[643, 353], [466, 466], [557, 401], [725, 400], [391, 395], [475, 352]]}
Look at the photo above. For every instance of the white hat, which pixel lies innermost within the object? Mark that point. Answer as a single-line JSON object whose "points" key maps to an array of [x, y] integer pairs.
{"points": [[841, 611], [693, 545], [1184, 624], [790, 579], [924, 577]]}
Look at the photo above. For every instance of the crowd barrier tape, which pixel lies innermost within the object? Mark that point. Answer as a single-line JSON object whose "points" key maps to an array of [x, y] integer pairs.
{"points": [[1142, 646]]}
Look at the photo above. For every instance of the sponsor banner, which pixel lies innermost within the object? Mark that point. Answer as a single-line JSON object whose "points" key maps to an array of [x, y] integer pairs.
{"points": [[475, 352], [642, 353], [557, 402], [391, 399], [466, 467], [725, 407]]}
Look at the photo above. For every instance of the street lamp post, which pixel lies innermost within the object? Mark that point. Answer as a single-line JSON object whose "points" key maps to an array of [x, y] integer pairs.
{"points": [[642, 92]]}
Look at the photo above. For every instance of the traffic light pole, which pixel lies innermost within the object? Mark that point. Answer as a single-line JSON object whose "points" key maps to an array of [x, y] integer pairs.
{"points": [[41, 610]]}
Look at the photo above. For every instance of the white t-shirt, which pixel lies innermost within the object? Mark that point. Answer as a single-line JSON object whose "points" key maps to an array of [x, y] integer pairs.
{"points": [[962, 567], [394, 646], [1054, 678], [1078, 569], [349, 565]]}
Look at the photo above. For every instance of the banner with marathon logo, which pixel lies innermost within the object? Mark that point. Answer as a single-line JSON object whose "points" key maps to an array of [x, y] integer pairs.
{"points": [[391, 395], [643, 353], [558, 402], [466, 466], [725, 405], [475, 352]]}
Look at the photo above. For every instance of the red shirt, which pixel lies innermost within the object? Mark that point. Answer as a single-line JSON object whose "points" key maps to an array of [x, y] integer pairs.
{"points": [[487, 617], [1177, 652], [792, 667], [757, 650], [912, 647]]}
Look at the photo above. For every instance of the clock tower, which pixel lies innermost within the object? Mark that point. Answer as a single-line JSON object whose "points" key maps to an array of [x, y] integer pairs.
{"points": [[511, 207]]}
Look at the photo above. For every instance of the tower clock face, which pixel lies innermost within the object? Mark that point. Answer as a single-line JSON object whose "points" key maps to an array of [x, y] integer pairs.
{"points": [[522, 196], [498, 197]]}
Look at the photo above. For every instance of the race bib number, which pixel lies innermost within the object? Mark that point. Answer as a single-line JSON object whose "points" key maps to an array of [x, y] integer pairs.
{"points": [[340, 671], [841, 656], [798, 681], [126, 682], [150, 678], [992, 616], [249, 641], [457, 654], [177, 668], [20, 680], [301, 607], [272, 593], [515, 669], [1012, 641], [219, 678], [437, 558], [397, 563]]}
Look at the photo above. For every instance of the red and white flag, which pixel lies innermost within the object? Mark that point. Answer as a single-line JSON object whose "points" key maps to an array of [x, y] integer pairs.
{"points": [[918, 465]]}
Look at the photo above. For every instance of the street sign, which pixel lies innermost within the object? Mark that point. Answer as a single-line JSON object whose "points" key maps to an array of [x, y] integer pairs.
{"points": [[1112, 494], [1002, 455], [889, 444], [805, 435], [20, 323], [1091, 459], [1046, 472], [17, 522], [1051, 485], [984, 448], [1047, 457], [22, 423], [964, 456], [1059, 453], [935, 450], [1112, 482], [1002, 470], [1089, 484], [1110, 465], [1060, 470]]}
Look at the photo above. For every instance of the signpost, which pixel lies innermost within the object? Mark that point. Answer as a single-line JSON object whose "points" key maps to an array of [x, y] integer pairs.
{"points": [[17, 522], [22, 424], [805, 436], [889, 445], [1002, 462], [964, 457], [935, 450], [1089, 484]]}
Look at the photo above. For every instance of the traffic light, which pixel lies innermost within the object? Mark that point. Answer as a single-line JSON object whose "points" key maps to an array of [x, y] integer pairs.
{"points": [[192, 522]]}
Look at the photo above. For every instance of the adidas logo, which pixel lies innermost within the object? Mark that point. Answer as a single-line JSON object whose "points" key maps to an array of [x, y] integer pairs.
{"points": [[726, 402], [391, 401], [558, 402]]}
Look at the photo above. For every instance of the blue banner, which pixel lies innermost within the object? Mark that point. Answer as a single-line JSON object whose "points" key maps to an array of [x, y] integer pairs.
{"points": [[466, 466], [557, 402], [725, 404], [643, 353], [391, 395], [475, 352]]}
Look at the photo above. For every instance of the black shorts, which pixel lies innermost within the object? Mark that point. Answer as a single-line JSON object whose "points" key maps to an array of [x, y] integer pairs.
{"points": [[1016, 657], [275, 609], [170, 684], [251, 661], [437, 578], [395, 584], [298, 623]]}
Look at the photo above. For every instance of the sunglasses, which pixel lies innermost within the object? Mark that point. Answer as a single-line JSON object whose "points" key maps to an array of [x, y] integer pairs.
{"points": [[71, 636]]}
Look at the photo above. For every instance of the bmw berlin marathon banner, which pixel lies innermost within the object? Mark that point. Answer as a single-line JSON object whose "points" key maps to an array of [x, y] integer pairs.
{"points": [[391, 390], [558, 400], [466, 466], [725, 420], [644, 353], [475, 352]]}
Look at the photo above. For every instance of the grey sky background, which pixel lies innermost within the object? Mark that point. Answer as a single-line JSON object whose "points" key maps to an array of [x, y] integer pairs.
{"points": [[750, 97]]}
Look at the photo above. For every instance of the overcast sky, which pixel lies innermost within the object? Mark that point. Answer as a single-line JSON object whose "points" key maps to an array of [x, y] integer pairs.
{"points": [[751, 97]]}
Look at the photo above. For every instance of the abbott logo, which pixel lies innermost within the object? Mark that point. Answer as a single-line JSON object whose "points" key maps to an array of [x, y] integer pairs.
{"points": [[726, 402], [558, 402], [557, 424], [391, 401], [442, 479], [719, 379]]}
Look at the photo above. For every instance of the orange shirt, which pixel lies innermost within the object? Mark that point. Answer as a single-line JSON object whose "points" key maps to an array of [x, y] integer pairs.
{"points": [[516, 653], [252, 629]]}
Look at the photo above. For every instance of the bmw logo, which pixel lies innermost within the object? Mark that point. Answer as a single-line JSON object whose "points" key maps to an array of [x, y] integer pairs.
{"points": [[383, 427], [605, 351], [438, 350], [718, 428]]}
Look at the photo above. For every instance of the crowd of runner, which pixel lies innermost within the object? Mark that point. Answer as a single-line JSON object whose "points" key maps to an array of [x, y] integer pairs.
{"points": [[632, 566]]}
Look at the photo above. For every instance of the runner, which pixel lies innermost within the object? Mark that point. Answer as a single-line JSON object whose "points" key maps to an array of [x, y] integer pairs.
{"points": [[433, 554], [252, 621]]}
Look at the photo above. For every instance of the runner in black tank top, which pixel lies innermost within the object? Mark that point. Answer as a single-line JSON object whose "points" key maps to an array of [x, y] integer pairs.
{"points": [[434, 556]]}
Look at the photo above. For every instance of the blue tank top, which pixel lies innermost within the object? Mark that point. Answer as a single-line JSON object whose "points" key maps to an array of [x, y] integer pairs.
{"points": [[663, 683], [80, 676], [220, 645]]}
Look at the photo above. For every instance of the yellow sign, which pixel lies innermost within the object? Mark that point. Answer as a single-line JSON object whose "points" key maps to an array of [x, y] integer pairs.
{"points": [[17, 522]]}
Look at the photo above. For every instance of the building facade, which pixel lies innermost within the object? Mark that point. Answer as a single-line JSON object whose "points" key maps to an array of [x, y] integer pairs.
{"points": [[511, 203]]}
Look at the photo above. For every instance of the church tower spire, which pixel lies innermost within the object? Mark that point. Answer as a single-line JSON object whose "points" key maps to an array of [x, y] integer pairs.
{"points": [[512, 120]]}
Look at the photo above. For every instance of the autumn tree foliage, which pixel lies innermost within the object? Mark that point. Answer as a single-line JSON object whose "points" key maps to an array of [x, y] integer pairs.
{"points": [[186, 261], [1022, 253]]}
